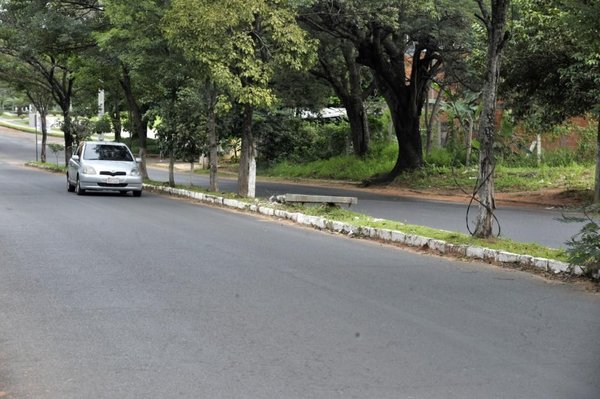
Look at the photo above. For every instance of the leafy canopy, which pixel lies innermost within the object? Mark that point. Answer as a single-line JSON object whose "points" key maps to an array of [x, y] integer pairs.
{"points": [[241, 42]]}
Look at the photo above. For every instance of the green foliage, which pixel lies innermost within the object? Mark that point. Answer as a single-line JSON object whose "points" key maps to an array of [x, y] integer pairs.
{"points": [[451, 156], [55, 148], [181, 125], [82, 129], [283, 137], [102, 125], [583, 249], [241, 42], [560, 83], [152, 145], [347, 167]]}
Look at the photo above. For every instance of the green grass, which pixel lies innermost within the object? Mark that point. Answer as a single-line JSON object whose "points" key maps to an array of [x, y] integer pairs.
{"points": [[51, 166], [503, 244], [506, 178], [338, 168], [15, 117]]}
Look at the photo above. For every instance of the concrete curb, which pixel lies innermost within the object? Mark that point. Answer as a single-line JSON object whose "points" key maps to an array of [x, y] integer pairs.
{"points": [[385, 235]]}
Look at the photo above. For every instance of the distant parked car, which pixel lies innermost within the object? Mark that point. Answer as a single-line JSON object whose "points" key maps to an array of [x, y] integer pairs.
{"points": [[104, 166]]}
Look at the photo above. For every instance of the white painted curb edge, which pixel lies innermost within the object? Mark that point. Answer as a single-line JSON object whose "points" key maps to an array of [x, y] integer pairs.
{"points": [[439, 246]]}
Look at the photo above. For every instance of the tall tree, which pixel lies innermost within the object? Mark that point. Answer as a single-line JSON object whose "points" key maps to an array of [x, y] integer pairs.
{"points": [[23, 78], [48, 35], [555, 85], [241, 43], [133, 41], [494, 20], [351, 82], [405, 44]]}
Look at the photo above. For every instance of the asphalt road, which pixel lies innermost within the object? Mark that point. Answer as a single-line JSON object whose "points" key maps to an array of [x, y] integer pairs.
{"points": [[520, 224], [528, 224], [104, 296]]}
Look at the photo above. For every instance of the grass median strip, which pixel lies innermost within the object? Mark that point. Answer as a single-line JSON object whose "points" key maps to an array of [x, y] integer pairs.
{"points": [[358, 219]]}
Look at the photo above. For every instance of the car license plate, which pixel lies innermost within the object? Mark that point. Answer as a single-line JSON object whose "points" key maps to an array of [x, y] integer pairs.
{"points": [[112, 180]]}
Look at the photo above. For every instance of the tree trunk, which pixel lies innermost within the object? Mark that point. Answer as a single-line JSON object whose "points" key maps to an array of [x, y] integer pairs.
{"points": [[348, 86], [67, 131], [487, 124], [538, 149], [355, 107], [139, 125], [115, 116], [44, 122], [597, 179], [410, 148], [433, 119], [143, 152], [410, 155], [469, 141], [359, 125], [247, 171], [172, 169], [213, 144]]}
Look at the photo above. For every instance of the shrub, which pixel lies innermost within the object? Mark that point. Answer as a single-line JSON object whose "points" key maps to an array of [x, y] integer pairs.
{"points": [[56, 148], [152, 146], [102, 125], [583, 249], [283, 137]]}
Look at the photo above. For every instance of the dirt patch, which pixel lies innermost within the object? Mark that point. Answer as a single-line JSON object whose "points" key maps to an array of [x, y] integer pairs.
{"points": [[546, 198]]}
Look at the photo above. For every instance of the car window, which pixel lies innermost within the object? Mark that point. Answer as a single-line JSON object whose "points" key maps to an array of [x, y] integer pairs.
{"points": [[106, 152]]}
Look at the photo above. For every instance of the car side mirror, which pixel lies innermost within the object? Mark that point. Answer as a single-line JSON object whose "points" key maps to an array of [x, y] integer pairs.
{"points": [[138, 159], [75, 158]]}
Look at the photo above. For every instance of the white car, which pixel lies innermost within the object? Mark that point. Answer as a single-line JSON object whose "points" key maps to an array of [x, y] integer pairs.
{"points": [[104, 166]]}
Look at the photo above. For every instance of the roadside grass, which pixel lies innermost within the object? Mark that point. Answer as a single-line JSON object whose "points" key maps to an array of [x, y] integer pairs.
{"points": [[357, 219], [338, 168], [23, 126], [14, 117], [506, 178], [50, 166]]}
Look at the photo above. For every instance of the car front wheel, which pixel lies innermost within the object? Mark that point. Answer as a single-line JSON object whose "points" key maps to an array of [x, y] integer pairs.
{"points": [[78, 189], [70, 187]]}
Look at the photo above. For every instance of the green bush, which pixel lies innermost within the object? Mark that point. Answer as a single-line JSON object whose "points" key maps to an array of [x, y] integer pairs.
{"points": [[282, 137], [583, 249], [560, 157], [55, 148], [346, 167], [452, 155], [152, 146], [102, 125]]}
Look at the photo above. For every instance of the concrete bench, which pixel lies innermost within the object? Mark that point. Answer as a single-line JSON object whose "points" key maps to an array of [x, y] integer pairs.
{"points": [[317, 199]]}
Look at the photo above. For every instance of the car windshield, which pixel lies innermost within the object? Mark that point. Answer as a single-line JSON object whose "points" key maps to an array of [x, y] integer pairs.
{"points": [[106, 152]]}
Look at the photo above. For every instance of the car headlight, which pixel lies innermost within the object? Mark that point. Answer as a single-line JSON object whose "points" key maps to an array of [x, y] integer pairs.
{"points": [[135, 172], [88, 170]]}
